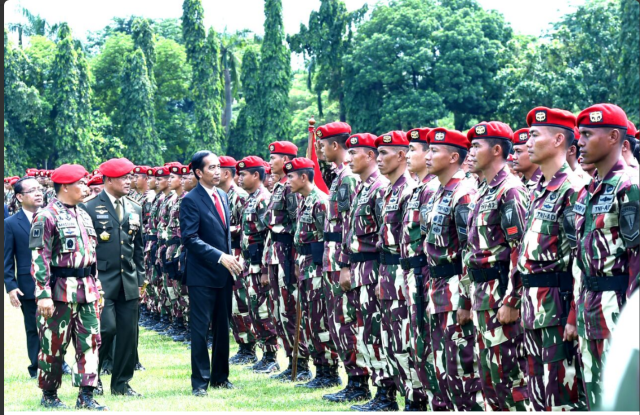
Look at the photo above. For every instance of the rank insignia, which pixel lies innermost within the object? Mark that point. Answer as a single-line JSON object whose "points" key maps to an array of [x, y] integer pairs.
{"points": [[105, 236]]}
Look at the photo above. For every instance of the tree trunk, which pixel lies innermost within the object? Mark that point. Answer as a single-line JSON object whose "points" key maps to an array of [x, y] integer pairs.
{"points": [[343, 108], [228, 98], [320, 109], [459, 120]]}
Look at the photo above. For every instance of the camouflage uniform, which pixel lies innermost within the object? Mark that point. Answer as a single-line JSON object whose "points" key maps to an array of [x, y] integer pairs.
{"points": [[545, 266], [608, 260], [240, 318], [151, 253], [416, 270], [532, 183], [146, 200], [49, 195], [329, 171], [254, 233], [174, 263], [344, 334], [309, 242], [64, 243], [166, 290], [453, 344], [361, 307], [278, 256]]}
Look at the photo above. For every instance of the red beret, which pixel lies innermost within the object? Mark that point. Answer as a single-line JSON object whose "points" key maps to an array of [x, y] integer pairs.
{"points": [[116, 168], [250, 162], [176, 169], [267, 167], [392, 139], [141, 169], [161, 172], [151, 171], [13, 181], [228, 162], [331, 130], [284, 148], [300, 163], [362, 140], [520, 137], [632, 131], [31, 172], [491, 129], [418, 135], [576, 136], [185, 170], [603, 115], [638, 135], [551, 117], [68, 174], [172, 164], [510, 157], [439, 136], [96, 181]]}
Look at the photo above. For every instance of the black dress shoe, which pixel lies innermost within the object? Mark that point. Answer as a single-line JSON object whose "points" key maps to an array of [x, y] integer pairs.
{"points": [[223, 385], [139, 367], [128, 392], [199, 393]]}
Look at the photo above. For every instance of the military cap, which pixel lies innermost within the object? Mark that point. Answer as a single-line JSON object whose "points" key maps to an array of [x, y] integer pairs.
{"points": [[96, 180], [576, 136], [141, 169], [116, 168], [151, 171], [176, 169], [186, 170], [631, 130], [284, 148], [13, 181], [393, 139], [333, 129], [250, 162], [491, 129], [418, 135], [551, 117], [267, 167], [300, 163], [362, 140], [228, 162], [520, 137], [161, 172], [455, 138], [603, 116], [31, 172], [68, 174]]}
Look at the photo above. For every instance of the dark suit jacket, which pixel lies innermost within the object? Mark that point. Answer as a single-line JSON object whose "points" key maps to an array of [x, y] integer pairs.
{"points": [[17, 255], [120, 248], [206, 239], [6, 211]]}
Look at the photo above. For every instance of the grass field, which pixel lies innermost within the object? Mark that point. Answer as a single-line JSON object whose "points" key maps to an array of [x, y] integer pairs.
{"points": [[165, 384]]}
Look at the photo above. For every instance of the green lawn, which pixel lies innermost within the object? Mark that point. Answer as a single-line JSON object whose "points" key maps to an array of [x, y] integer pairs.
{"points": [[165, 384]]}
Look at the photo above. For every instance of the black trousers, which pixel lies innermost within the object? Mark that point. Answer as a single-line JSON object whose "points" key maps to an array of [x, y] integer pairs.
{"points": [[119, 317], [29, 309], [209, 306]]}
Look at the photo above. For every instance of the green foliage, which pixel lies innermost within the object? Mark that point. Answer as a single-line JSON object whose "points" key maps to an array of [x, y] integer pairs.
{"points": [[144, 39], [245, 136], [107, 68], [629, 72], [230, 46]]}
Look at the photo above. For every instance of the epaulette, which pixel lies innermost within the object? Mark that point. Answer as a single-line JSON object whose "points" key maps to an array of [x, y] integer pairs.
{"points": [[135, 202]]}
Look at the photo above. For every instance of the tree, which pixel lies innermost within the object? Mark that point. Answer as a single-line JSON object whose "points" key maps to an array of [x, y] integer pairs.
{"points": [[275, 78], [230, 71], [325, 43], [245, 135], [33, 26], [107, 70], [628, 44], [137, 113], [144, 39]]}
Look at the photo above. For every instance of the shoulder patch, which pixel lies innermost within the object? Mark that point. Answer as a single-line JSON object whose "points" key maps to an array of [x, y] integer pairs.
{"points": [[629, 222], [36, 236], [510, 221]]}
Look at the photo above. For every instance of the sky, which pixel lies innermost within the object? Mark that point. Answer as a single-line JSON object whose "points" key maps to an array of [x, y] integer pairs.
{"points": [[525, 17]]}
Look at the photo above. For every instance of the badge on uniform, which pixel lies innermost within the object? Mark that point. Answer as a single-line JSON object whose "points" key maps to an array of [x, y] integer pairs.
{"points": [[102, 217], [102, 211], [105, 236], [70, 244]]}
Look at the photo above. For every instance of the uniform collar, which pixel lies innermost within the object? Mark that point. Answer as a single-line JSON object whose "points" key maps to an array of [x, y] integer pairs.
{"points": [[535, 177], [453, 182], [556, 181], [500, 177], [596, 183], [402, 180], [372, 179]]}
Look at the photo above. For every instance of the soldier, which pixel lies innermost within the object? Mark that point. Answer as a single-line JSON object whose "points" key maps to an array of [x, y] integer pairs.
{"points": [[63, 241], [278, 256], [49, 193], [607, 216], [240, 317], [445, 220], [359, 276], [309, 242], [96, 185], [522, 164], [145, 174], [544, 265], [573, 159], [254, 234], [629, 147], [416, 269]]}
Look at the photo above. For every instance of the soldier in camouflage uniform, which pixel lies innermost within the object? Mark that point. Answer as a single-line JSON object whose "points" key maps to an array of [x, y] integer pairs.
{"points": [[146, 173], [607, 216], [359, 276], [278, 257], [64, 241], [416, 269], [522, 164], [240, 317], [445, 220], [309, 243], [49, 193], [254, 233], [495, 229], [544, 265]]}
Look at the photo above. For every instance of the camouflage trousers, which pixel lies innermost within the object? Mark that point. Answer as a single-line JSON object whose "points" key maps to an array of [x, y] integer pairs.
{"points": [[241, 323], [162, 282], [179, 300], [261, 317], [284, 303], [150, 271], [316, 323], [396, 340], [501, 362], [344, 322], [555, 378], [455, 361], [594, 354], [77, 323]]}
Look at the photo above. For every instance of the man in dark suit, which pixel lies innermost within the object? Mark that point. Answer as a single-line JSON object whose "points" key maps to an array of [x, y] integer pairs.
{"points": [[204, 221], [17, 263], [6, 211], [117, 220]]}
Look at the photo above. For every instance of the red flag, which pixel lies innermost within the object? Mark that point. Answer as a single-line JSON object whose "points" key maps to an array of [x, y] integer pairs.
{"points": [[318, 179]]}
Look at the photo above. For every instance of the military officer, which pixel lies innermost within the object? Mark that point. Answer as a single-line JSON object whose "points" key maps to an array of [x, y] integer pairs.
{"points": [[522, 164], [608, 239], [63, 241]]}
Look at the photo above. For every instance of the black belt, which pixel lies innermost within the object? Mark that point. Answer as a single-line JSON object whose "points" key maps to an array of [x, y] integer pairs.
{"points": [[333, 237], [235, 244], [253, 254], [173, 241], [315, 249], [599, 284], [413, 262], [282, 238], [562, 280], [364, 257], [152, 238], [446, 270], [71, 272], [389, 259], [488, 274]]}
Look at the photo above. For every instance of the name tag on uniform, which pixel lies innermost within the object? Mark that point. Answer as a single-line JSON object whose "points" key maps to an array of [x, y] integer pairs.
{"points": [[602, 208], [364, 197], [391, 207], [63, 224], [99, 217], [488, 206], [580, 208], [542, 215], [413, 205], [443, 209]]}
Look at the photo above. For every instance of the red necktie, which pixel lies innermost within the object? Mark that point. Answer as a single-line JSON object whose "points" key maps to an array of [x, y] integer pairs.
{"points": [[219, 207]]}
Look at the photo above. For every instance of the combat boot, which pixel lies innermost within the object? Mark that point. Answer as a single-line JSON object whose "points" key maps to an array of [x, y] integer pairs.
{"points": [[357, 390], [50, 400], [270, 364], [99, 391], [285, 376], [246, 355], [303, 373], [162, 324], [412, 406], [331, 377], [317, 382], [384, 401], [86, 400], [151, 321]]}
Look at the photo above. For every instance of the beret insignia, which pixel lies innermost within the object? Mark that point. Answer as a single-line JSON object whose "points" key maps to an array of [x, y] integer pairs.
{"points": [[595, 116], [481, 129], [440, 136], [354, 140], [524, 137], [242, 165], [289, 166], [319, 133], [387, 139], [150, 171], [415, 135], [160, 171], [272, 148], [541, 116]]}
